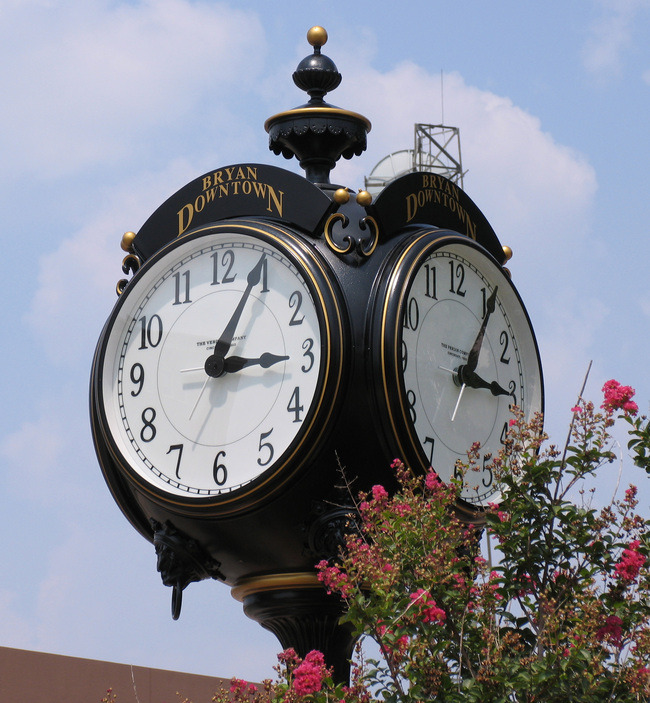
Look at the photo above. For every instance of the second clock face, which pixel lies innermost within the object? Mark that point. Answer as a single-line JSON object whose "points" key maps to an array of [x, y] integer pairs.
{"points": [[215, 363], [463, 352]]}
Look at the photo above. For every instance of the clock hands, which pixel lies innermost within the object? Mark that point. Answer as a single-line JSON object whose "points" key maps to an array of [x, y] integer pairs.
{"points": [[465, 375], [231, 364], [214, 364]]}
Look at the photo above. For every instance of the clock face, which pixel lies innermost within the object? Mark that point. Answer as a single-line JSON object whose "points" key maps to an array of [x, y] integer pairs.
{"points": [[217, 361], [458, 352]]}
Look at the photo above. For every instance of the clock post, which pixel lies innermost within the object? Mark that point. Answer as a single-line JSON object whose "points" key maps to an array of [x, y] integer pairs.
{"points": [[280, 342]]}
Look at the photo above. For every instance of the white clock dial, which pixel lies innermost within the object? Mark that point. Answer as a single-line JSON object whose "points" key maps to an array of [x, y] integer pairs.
{"points": [[466, 353], [214, 364]]}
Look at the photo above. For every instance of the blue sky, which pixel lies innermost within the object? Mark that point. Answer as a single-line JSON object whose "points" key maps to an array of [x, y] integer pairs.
{"points": [[110, 107]]}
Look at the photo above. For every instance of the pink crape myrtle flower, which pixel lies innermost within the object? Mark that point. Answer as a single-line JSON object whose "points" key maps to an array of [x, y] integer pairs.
{"points": [[308, 676], [238, 685], [379, 493], [431, 481], [335, 580], [428, 608], [241, 687], [631, 562], [611, 631], [618, 397]]}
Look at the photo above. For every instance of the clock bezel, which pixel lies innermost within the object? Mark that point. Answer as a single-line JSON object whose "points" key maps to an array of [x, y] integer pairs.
{"points": [[390, 298], [318, 420]]}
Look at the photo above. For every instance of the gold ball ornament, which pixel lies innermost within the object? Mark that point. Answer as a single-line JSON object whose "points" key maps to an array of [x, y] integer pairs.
{"points": [[507, 252], [364, 198], [317, 36], [127, 241], [341, 196]]}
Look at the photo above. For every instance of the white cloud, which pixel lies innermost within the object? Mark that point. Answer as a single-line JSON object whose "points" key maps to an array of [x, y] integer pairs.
{"points": [[530, 188], [76, 282], [32, 455], [91, 81], [611, 35]]}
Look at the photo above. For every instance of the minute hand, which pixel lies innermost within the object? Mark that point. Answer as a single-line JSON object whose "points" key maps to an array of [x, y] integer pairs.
{"points": [[223, 343], [472, 358]]}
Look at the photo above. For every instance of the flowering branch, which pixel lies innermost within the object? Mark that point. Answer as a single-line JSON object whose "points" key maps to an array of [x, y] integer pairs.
{"points": [[564, 615]]}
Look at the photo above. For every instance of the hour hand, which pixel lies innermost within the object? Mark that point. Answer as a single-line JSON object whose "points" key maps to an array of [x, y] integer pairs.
{"points": [[231, 364], [473, 380]]}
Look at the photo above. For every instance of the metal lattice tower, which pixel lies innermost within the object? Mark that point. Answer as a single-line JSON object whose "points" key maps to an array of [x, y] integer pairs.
{"points": [[436, 149]]}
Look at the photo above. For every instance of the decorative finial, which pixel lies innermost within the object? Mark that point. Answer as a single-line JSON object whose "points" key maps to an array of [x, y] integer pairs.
{"points": [[317, 74], [317, 133]]}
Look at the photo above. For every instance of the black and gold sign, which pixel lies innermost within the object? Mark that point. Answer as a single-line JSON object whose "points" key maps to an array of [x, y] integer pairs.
{"points": [[252, 190]]}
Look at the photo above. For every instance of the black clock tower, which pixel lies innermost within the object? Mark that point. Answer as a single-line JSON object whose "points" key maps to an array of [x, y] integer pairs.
{"points": [[281, 340]]}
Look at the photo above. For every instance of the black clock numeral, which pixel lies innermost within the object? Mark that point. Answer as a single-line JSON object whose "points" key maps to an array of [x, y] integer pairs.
{"points": [[484, 298], [432, 442], [219, 471], [411, 315], [512, 388], [295, 301], [430, 281], [504, 432], [294, 405], [176, 448], [227, 262], [151, 331], [137, 377], [405, 356], [148, 431], [457, 271], [308, 345], [177, 288], [487, 467], [504, 341], [411, 399], [266, 447]]}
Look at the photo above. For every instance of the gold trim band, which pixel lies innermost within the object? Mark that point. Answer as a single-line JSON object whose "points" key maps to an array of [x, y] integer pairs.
{"points": [[275, 582], [317, 112]]}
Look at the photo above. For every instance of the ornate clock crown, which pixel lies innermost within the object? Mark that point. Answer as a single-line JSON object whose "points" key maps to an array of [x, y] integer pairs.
{"points": [[317, 133]]}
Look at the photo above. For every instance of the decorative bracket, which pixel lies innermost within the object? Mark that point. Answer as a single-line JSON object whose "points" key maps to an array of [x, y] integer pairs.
{"points": [[361, 246], [181, 561], [130, 263], [326, 535]]}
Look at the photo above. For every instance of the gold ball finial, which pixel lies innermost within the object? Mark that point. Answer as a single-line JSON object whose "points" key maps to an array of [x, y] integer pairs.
{"points": [[317, 36], [341, 196], [364, 198], [507, 251], [127, 241]]}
